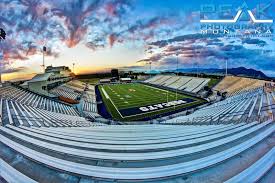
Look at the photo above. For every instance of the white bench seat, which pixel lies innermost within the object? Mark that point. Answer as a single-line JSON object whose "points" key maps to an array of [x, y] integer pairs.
{"points": [[136, 173]]}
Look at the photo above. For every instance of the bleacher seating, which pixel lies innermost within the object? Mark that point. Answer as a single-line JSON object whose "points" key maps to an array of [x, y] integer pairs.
{"points": [[234, 85], [156, 153], [255, 172], [76, 85], [153, 79], [89, 103], [233, 109], [76, 90], [88, 106], [37, 101], [221, 142], [65, 92], [184, 83], [14, 113], [71, 90]]}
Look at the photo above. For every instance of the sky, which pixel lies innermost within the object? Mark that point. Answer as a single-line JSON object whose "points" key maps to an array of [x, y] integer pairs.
{"points": [[98, 35]]}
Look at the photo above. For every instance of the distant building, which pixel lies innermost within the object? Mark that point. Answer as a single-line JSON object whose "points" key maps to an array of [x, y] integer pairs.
{"points": [[105, 81], [61, 70], [115, 74], [125, 80], [53, 77]]}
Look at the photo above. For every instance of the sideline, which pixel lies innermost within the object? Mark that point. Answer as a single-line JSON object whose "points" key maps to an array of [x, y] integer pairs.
{"points": [[108, 98]]}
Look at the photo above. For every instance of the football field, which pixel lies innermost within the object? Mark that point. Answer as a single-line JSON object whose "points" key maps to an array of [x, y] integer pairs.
{"points": [[137, 101]]}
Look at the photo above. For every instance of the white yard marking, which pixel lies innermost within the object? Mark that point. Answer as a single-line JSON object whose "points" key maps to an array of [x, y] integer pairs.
{"points": [[150, 88], [107, 97]]}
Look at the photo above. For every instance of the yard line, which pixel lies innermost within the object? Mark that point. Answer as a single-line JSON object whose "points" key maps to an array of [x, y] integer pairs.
{"points": [[143, 96], [108, 98]]}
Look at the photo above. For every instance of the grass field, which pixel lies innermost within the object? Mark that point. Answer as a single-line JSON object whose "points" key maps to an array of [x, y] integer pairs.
{"points": [[213, 82], [92, 81], [135, 101]]}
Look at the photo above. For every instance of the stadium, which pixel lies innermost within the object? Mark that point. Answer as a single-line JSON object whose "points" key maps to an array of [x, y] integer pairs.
{"points": [[161, 129], [121, 91], [134, 101]]}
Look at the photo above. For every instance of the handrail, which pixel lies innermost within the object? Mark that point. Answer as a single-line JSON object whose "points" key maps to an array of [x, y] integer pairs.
{"points": [[271, 105]]}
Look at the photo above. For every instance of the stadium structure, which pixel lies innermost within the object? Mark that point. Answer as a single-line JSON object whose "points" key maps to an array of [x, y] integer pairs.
{"points": [[166, 128]]}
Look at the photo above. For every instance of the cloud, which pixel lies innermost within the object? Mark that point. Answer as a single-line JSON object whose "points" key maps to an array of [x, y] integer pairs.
{"points": [[13, 70], [30, 24], [211, 52], [254, 41], [187, 37], [133, 67], [74, 14]]}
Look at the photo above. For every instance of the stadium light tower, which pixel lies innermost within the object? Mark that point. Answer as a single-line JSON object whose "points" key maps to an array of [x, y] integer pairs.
{"points": [[177, 64], [2, 37], [43, 65], [197, 69], [177, 73], [1, 57], [150, 68], [73, 67], [226, 67]]}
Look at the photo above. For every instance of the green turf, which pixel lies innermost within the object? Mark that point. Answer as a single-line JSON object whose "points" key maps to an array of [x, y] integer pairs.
{"points": [[92, 81], [125, 96], [213, 82]]}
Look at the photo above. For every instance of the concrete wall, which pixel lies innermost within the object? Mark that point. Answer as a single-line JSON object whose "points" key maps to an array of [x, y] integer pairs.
{"points": [[37, 87]]}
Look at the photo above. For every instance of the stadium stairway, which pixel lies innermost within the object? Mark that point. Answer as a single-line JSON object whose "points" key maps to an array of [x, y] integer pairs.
{"points": [[132, 153]]}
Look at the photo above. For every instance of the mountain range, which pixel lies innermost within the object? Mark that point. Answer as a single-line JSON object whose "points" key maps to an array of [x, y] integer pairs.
{"points": [[239, 71]]}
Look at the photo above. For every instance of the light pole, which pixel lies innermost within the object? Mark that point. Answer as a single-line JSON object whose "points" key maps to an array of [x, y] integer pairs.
{"points": [[1, 57], [177, 73], [44, 50], [197, 70], [226, 67], [150, 68], [73, 67], [2, 37]]}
